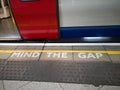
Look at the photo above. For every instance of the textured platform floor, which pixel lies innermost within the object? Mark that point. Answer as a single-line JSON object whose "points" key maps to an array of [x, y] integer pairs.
{"points": [[63, 66]]}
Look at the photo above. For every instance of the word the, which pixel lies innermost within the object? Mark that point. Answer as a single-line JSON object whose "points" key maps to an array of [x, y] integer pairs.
{"points": [[57, 55]]}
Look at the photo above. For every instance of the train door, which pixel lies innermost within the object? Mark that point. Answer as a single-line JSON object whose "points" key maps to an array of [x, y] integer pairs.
{"points": [[36, 19]]}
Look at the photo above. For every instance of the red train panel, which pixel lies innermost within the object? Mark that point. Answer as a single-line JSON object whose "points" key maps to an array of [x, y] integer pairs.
{"points": [[36, 18]]}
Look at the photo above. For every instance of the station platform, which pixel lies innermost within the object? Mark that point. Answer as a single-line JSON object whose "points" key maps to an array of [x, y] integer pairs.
{"points": [[61, 63]]}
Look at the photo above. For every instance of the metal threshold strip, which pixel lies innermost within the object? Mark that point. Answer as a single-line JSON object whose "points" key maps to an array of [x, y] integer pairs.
{"points": [[10, 39], [59, 44]]}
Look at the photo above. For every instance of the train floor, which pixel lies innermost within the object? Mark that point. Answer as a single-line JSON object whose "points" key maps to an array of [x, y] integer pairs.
{"points": [[8, 30], [59, 67]]}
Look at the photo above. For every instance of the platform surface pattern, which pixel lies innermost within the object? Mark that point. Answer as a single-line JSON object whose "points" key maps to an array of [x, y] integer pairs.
{"points": [[58, 62]]}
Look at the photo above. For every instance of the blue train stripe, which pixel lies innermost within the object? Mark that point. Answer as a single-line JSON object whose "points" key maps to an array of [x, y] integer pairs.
{"points": [[90, 31]]}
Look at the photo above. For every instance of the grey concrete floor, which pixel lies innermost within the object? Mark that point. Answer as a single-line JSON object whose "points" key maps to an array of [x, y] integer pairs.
{"points": [[29, 85]]}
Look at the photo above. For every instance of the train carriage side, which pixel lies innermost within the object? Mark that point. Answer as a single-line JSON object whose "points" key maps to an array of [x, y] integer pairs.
{"points": [[54, 19]]}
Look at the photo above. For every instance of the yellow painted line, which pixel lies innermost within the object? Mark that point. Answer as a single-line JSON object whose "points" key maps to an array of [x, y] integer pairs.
{"points": [[13, 20], [7, 51], [113, 52], [67, 51]]}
